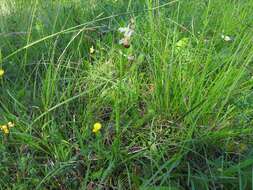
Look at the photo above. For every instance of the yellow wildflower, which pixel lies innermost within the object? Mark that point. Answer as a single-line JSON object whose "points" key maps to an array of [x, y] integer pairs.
{"points": [[97, 127], [5, 129], [1, 72], [92, 50], [10, 124]]}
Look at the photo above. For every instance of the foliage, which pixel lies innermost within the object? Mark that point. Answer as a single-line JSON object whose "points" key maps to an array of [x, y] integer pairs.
{"points": [[175, 108]]}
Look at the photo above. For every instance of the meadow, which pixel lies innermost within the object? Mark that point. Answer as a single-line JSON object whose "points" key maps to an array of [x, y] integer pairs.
{"points": [[124, 94]]}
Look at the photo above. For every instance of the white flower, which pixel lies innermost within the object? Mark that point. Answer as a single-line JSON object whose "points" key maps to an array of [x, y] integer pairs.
{"points": [[123, 29], [226, 38], [130, 58], [121, 41], [92, 50], [127, 31]]}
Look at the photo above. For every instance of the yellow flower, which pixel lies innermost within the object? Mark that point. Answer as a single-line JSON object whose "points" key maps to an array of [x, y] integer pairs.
{"points": [[10, 124], [1, 72], [92, 50], [5, 129], [97, 127]]}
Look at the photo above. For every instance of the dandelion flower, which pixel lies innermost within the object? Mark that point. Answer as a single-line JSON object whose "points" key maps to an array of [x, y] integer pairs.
{"points": [[1, 72], [97, 127], [92, 50], [5, 129]]}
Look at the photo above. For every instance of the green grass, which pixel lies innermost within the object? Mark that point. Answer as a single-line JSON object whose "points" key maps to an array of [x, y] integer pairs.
{"points": [[178, 116]]}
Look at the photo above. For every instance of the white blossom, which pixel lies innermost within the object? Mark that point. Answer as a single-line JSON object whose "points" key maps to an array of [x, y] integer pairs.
{"points": [[226, 38]]}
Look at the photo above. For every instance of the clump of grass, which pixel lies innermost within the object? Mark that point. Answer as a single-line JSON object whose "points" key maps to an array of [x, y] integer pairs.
{"points": [[171, 109]]}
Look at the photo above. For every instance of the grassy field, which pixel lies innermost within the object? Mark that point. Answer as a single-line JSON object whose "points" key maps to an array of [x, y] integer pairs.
{"points": [[124, 94]]}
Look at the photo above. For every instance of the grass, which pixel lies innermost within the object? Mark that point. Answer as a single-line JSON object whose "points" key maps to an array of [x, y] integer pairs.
{"points": [[176, 107]]}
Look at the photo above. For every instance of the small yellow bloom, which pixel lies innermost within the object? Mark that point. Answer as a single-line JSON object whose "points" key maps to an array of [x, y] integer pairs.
{"points": [[1, 72], [97, 127], [92, 50], [5, 129], [10, 124]]}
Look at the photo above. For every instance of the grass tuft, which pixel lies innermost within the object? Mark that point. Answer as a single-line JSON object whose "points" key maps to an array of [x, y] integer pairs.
{"points": [[169, 107]]}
